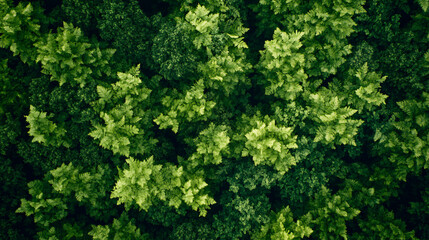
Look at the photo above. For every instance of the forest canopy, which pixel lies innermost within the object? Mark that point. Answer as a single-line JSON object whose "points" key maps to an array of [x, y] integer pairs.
{"points": [[214, 119]]}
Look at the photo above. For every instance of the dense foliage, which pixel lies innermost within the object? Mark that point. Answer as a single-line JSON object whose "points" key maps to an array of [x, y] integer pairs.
{"points": [[214, 119]]}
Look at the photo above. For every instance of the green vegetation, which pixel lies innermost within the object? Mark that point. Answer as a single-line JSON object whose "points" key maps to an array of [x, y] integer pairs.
{"points": [[214, 119]]}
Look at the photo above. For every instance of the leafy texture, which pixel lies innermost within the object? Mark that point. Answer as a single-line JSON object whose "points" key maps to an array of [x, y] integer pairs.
{"points": [[62, 190], [19, 29], [144, 183], [334, 123], [45, 131], [191, 105], [282, 226], [121, 106], [212, 144], [269, 144], [128, 29], [69, 57], [407, 142], [283, 65], [121, 228], [214, 119]]}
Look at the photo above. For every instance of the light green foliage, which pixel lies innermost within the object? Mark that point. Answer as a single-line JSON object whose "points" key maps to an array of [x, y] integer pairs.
{"points": [[45, 207], [87, 187], [122, 108], [424, 4], [222, 38], [114, 134], [330, 212], [208, 27], [283, 65], [145, 183], [44, 130], [269, 144], [205, 23], [212, 145], [190, 106], [362, 89], [121, 228], [225, 70], [381, 224], [282, 226], [58, 193], [66, 231], [19, 29], [325, 25], [334, 125], [407, 141], [69, 57]]}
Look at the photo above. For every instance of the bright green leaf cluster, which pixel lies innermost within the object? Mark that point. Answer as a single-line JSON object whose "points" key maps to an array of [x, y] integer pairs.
{"points": [[121, 106], [333, 120], [205, 23], [44, 130], [69, 180], [121, 228], [45, 208], [69, 57], [283, 65], [269, 144], [212, 144], [362, 89], [325, 25], [58, 192], [225, 70], [190, 106], [223, 40], [282, 226], [144, 183]]}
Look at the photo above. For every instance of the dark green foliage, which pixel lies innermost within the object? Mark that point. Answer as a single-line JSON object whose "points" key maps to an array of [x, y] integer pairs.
{"points": [[314, 171], [381, 224], [395, 33], [9, 131], [82, 14], [15, 77], [243, 213], [174, 55], [13, 179], [125, 25]]}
